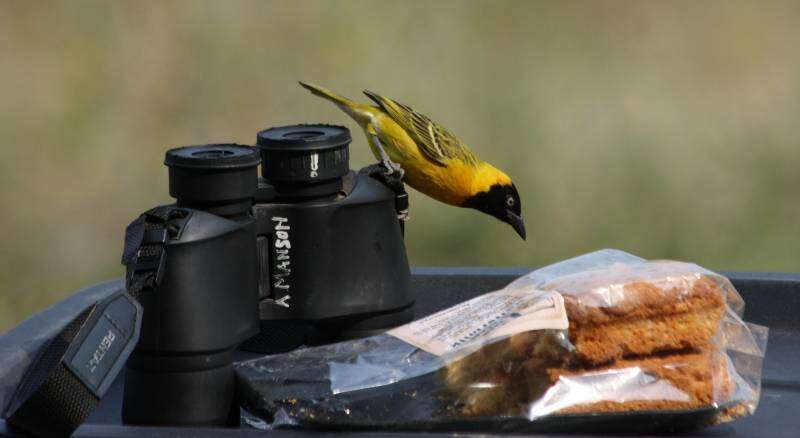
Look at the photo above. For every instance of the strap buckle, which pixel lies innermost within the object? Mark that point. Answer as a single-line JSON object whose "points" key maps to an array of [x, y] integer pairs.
{"points": [[150, 256], [144, 264]]}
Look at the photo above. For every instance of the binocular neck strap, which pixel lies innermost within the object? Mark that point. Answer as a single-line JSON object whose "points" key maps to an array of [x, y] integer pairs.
{"points": [[70, 374]]}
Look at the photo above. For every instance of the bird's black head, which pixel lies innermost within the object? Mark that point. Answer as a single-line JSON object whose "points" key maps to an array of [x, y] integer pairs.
{"points": [[501, 201]]}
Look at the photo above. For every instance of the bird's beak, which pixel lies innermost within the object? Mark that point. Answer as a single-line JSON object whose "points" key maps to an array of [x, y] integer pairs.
{"points": [[517, 223]]}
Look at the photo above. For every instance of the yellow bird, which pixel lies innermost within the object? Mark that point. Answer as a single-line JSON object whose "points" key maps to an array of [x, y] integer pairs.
{"points": [[431, 159]]}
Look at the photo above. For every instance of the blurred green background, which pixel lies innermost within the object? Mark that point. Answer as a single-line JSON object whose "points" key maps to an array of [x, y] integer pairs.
{"points": [[669, 129]]}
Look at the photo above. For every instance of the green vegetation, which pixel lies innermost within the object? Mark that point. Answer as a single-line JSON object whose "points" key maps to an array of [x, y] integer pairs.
{"points": [[668, 129]]}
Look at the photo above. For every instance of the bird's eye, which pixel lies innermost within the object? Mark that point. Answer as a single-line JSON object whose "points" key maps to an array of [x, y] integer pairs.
{"points": [[510, 201]]}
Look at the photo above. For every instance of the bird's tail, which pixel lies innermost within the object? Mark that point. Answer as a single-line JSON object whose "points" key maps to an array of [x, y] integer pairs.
{"points": [[358, 111], [327, 94]]}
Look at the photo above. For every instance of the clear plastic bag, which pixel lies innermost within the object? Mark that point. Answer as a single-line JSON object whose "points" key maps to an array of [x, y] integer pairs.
{"points": [[605, 337]]}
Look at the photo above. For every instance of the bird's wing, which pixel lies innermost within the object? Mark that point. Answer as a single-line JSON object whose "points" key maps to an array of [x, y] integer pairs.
{"points": [[435, 142]]}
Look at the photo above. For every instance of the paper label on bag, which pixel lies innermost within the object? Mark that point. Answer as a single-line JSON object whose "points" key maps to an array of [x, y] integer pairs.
{"points": [[485, 318]]}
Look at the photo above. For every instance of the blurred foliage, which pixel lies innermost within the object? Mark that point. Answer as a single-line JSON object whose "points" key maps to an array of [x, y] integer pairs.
{"points": [[668, 129]]}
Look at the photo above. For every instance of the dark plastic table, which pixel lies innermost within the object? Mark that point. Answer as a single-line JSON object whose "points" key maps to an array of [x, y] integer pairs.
{"points": [[772, 300]]}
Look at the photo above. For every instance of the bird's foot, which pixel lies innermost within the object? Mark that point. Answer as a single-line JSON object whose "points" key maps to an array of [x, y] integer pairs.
{"points": [[393, 168], [392, 179]]}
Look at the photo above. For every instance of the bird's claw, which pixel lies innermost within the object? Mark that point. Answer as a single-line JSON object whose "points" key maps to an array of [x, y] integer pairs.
{"points": [[391, 175], [392, 168], [380, 172]]}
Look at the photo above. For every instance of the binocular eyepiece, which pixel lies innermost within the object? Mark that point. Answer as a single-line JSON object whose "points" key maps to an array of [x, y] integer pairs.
{"points": [[310, 252], [299, 161], [220, 179], [304, 161]]}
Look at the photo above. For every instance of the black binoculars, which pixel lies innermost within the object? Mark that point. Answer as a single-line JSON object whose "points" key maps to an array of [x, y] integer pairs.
{"points": [[307, 253]]}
